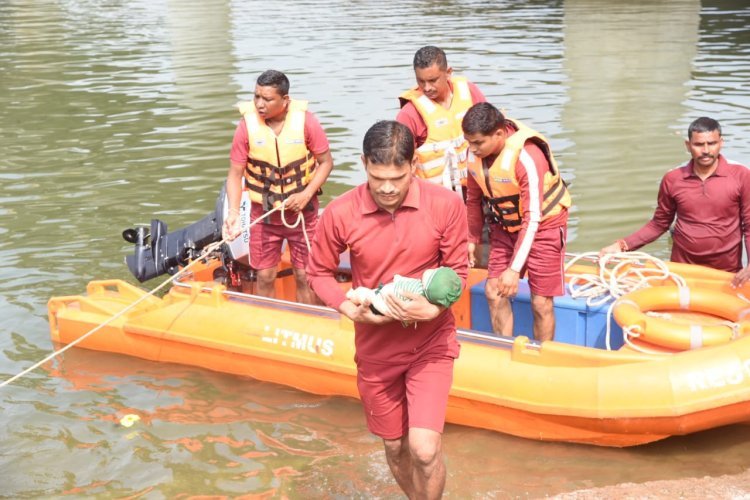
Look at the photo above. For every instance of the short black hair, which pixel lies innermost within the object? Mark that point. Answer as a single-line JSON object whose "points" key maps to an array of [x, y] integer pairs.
{"points": [[482, 118], [388, 142], [429, 55], [276, 79], [703, 124]]}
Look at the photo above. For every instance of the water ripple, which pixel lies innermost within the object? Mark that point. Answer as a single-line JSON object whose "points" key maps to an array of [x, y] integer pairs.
{"points": [[114, 112]]}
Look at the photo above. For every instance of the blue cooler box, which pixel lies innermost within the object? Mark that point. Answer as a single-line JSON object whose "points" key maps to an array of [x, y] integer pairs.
{"points": [[575, 322]]}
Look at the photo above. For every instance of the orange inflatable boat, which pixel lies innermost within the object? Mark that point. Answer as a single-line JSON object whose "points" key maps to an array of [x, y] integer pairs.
{"points": [[571, 389]]}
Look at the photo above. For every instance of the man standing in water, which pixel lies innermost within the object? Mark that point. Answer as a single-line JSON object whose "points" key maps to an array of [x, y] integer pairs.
{"points": [[283, 154], [397, 224], [710, 199], [513, 174], [433, 111]]}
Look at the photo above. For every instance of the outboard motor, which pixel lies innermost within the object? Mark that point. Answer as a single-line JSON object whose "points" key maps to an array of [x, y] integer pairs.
{"points": [[157, 251]]}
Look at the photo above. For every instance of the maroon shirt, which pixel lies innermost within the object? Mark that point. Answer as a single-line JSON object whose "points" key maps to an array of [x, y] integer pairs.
{"points": [[712, 216], [428, 231]]}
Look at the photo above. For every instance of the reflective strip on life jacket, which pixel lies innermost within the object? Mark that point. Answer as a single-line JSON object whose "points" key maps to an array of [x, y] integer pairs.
{"points": [[500, 186], [445, 144]]}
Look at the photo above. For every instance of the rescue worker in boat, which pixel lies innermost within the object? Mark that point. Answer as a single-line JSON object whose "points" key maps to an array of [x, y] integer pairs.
{"points": [[283, 154], [708, 200], [514, 179], [433, 111]]}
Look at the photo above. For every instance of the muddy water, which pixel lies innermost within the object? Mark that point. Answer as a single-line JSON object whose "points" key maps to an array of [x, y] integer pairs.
{"points": [[111, 113]]}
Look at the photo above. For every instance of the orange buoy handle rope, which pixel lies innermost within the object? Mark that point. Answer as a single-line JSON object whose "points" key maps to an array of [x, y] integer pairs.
{"points": [[641, 314]]}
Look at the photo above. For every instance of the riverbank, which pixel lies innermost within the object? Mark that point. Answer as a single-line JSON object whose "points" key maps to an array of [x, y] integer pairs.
{"points": [[732, 487]]}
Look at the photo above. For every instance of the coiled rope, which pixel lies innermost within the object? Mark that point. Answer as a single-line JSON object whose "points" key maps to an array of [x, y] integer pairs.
{"points": [[300, 220], [619, 274], [206, 251]]}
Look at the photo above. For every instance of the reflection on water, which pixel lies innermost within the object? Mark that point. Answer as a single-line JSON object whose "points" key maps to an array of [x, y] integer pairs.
{"points": [[627, 67], [113, 112], [202, 433]]}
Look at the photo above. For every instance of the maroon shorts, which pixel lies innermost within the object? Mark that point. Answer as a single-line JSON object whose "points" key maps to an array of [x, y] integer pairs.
{"points": [[266, 243], [398, 397], [545, 264]]}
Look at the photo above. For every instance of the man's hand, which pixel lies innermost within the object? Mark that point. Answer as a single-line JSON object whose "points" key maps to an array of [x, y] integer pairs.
{"points": [[417, 308], [297, 202], [507, 283], [613, 248], [232, 227], [741, 277], [472, 254], [362, 313]]}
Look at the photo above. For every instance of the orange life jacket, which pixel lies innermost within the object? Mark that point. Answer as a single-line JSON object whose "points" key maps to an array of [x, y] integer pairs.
{"points": [[277, 166], [442, 157], [500, 186]]}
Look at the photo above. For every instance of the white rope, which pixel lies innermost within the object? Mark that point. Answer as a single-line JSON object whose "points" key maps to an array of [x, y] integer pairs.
{"points": [[300, 220], [634, 331], [210, 248], [619, 274]]}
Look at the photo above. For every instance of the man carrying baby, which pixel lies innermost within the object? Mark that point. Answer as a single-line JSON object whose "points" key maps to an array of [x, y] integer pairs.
{"points": [[397, 224]]}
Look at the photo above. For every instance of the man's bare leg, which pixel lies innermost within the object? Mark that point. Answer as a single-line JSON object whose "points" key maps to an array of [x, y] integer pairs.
{"points": [[305, 295], [399, 460], [428, 466], [501, 313], [544, 317], [265, 282], [416, 462]]}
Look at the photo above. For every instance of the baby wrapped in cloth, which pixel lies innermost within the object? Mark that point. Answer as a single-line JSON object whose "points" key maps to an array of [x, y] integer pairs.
{"points": [[440, 286]]}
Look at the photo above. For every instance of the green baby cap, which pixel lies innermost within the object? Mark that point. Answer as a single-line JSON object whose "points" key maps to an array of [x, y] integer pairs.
{"points": [[442, 286]]}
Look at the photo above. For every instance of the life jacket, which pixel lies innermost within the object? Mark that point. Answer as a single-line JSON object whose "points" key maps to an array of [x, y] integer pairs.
{"points": [[442, 157], [277, 166], [500, 187]]}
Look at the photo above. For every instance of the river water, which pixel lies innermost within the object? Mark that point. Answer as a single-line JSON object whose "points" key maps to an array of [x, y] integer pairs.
{"points": [[114, 112]]}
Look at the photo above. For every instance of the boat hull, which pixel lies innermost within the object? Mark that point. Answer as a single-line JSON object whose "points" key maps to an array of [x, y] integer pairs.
{"points": [[550, 391]]}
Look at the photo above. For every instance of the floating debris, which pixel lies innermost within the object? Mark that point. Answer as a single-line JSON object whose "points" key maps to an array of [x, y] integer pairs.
{"points": [[129, 419]]}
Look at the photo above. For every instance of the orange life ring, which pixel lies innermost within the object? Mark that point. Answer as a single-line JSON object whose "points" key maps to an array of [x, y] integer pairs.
{"points": [[630, 312]]}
